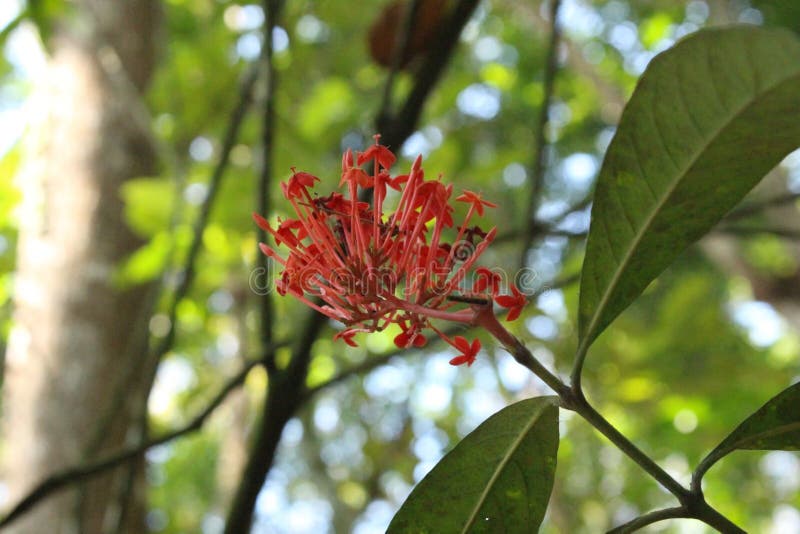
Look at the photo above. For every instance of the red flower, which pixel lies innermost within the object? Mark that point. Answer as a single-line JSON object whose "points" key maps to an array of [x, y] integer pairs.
{"points": [[286, 232], [515, 303], [476, 201], [347, 337], [484, 279], [261, 221], [432, 198], [298, 183], [359, 176], [335, 202], [468, 352], [379, 153], [409, 337], [397, 182], [372, 268]]}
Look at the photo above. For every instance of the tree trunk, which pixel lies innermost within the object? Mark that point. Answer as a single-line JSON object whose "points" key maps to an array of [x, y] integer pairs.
{"points": [[75, 330]]}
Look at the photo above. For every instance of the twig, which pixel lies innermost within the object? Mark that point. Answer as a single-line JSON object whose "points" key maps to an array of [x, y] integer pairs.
{"points": [[190, 264], [404, 122], [154, 356], [538, 166], [280, 403], [757, 207], [649, 519], [784, 233], [274, 419], [130, 379], [362, 368], [272, 12], [401, 46], [157, 352], [72, 475], [13, 24]]}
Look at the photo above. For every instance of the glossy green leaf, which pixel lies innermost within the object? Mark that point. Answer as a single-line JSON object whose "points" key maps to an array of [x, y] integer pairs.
{"points": [[775, 427], [497, 479], [708, 119]]}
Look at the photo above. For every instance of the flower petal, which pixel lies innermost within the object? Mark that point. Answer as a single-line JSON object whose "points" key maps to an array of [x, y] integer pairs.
{"points": [[513, 313], [459, 360]]}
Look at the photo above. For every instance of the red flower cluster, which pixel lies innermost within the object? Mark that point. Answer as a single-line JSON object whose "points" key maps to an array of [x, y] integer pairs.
{"points": [[370, 269]]}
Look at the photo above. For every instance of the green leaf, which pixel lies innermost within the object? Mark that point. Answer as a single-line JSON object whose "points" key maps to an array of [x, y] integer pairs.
{"points": [[44, 14], [497, 479], [330, 103], [774, 427], [12, 25], [149, 203], [10, 195], [785, 13], [148, 262], [708, 119]]}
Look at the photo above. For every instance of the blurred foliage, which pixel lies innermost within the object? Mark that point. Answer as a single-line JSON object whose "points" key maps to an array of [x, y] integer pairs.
{"points": [[675, 372]]}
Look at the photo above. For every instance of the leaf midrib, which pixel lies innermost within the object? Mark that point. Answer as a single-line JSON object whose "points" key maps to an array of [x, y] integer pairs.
{"points": [[668, 193], [506, 458], [769, 433], [741, 444]]}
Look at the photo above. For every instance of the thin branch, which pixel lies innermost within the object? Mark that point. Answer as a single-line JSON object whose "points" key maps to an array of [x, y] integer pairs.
{"points": [[649, 519], [13, 24], [282, 400], [538, 166], [362, 368], [80, 473], [274, 417], [401, 47], [127, 493], [783, 233], [165, 345], [743, 231], [190, 264], [129, 378], [284, 395], [757, 207], [405, 121], [131, 90], [263, 205]]}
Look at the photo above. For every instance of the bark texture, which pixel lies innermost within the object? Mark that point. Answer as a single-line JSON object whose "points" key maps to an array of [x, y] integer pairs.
{"points": [[75, 329]]}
